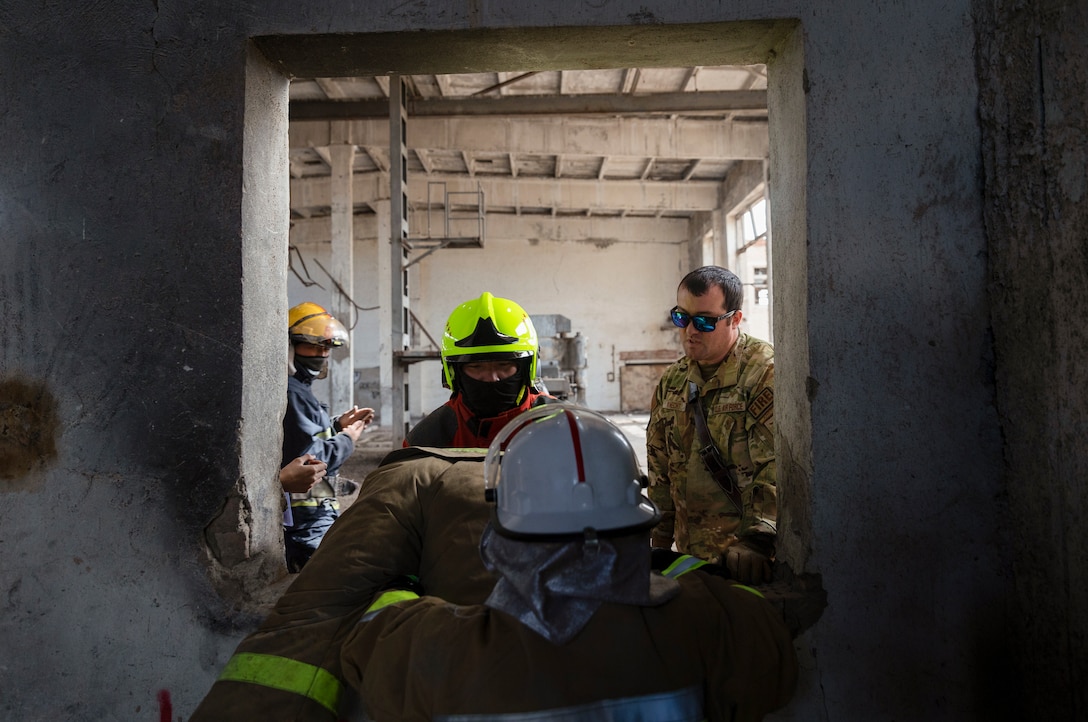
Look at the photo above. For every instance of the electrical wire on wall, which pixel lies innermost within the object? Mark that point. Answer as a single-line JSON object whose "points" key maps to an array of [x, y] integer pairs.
{"points": [[344, 293], [293, 252]]}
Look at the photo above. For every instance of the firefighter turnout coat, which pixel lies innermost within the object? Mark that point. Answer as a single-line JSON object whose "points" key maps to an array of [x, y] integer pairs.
{"points": [[717, 651], [421, 512]]}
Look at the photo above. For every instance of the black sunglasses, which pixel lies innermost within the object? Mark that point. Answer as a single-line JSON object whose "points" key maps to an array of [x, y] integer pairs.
{"points": [[702, 323]]}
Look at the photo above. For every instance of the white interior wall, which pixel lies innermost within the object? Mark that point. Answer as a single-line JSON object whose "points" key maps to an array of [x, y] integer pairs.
{"points": [[615, 294]]}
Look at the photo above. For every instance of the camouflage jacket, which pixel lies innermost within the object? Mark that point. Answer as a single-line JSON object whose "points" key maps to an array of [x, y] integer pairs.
{"points": [[739, 404]]}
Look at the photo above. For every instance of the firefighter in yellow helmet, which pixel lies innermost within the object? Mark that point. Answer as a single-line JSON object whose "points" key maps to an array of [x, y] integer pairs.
{"points": [[489, 362], [310, 435], [569, 543]]}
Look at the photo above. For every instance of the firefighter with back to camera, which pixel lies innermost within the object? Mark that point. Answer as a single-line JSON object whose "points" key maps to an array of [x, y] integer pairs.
{"points": [[578, 626]]}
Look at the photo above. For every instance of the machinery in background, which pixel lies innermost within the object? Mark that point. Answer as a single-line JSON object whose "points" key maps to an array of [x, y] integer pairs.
{"points": [[562, 363]]}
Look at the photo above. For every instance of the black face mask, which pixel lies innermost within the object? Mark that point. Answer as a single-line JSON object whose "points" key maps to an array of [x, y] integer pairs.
{"points": [[311, 366], [491, 398]]}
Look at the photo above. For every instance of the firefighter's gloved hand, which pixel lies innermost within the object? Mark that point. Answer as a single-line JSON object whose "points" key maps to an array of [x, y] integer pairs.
{"points": [[406, 582], [660, 559], [749, 561]]}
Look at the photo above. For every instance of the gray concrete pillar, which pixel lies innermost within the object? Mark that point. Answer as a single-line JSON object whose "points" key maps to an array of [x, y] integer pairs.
{"points": [[342, 269], [385, 314]]}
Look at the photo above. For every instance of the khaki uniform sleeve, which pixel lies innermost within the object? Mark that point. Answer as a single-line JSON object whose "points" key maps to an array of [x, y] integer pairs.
{"points": [[761, 496], [657, 463]]}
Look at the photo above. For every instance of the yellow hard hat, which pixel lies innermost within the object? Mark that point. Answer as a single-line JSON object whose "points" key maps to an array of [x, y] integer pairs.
{"points": [[310, 323]]}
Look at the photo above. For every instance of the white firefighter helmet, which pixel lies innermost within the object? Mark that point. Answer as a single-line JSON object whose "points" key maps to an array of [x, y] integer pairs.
{"points": [[559, 470]]}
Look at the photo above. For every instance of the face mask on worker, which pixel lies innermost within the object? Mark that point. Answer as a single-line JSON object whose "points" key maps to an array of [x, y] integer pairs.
{"points": [[491, 398], [312, 366]]}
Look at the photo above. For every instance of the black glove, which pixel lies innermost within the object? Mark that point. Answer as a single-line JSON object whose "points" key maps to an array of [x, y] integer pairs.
{"points": [[660, 559], [406, 582], [749, 560]]}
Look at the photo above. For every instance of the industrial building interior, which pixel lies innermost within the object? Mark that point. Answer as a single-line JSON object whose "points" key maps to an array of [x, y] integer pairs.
{"points": [[164, 201], [587, 156]]}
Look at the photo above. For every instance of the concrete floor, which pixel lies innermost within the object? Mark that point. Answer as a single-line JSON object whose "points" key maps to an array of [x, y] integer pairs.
{"points": [[633, 427]]}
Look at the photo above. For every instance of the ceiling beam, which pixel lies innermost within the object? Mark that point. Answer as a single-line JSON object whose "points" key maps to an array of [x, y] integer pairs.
{"points": [[296, 168], [571, 229], [323, 154], [424, 160], [383, 83], [632, 137], [330, 87], [682, 197], [599, 103], [380, 156], [503, 83], [444, 85], [486, 49]]}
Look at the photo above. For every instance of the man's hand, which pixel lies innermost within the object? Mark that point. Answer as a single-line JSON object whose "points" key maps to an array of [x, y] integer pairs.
{"points": [[747, 563], [302, 473], [365, 415], [354, 431]]}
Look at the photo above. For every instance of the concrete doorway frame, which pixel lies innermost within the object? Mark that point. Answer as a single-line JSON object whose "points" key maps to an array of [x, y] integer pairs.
{"points": [[273, 60]]}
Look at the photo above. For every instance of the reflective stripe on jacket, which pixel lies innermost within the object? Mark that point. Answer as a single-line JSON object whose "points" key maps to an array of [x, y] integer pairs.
{"points": [[381, 535], [286, 675]]}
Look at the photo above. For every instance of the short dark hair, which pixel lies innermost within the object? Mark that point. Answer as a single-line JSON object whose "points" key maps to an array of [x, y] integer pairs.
{"points": [[699, 281]]}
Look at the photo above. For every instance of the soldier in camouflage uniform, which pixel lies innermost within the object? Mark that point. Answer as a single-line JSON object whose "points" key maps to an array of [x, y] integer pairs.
{"points": [[733, 375]]}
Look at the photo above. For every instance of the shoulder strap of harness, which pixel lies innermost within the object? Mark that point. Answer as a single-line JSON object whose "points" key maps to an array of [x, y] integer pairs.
{"points": [[710, 454]]}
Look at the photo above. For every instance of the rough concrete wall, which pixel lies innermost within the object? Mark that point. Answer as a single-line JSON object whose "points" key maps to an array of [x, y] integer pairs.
{"points": [[1033, 71], [121, 226], [793, 380], [121, 290], [885, 269]]}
